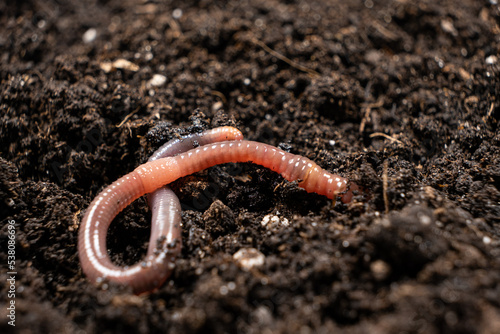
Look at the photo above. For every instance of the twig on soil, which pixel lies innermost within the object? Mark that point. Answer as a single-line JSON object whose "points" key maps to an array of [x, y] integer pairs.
{"points": [[490, 111], [368, 110], [285, 59], [380, 134], [127, 117], [219, 95], [385, 182]]}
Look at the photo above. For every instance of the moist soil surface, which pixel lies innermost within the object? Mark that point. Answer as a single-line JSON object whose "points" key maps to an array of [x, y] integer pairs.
{"points": [[401, 97]]}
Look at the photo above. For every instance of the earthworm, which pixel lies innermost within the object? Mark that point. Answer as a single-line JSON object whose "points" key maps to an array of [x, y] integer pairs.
{"points": [[165, 238], [164, 204], [152, 175]]}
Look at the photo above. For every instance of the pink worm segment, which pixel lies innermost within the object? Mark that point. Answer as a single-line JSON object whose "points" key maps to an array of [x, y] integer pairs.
{"points": [[165, 239], [148, 177], [292, 167], [164, 204]]}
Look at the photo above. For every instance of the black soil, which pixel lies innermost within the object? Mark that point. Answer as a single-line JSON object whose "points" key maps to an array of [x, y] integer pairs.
{"points": [[402, 97]]}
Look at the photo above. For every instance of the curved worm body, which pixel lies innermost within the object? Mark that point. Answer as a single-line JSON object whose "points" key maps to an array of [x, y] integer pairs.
{"points": [[165, 239], [164, 204], [148, 177]]}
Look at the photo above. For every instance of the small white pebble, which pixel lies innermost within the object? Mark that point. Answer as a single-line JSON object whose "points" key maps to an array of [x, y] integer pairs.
{"points": [[486, 240], [380, 269], [424, 219], [125, 64], [89, 36], [248, 258], [177, 13], [157, 80], [223, 290], [217, 106], [273, 221], [447, 25], [122, 64], [491, 60]]}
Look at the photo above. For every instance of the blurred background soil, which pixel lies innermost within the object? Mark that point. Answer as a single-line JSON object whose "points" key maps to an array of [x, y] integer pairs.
{"points": [[400, 96]]}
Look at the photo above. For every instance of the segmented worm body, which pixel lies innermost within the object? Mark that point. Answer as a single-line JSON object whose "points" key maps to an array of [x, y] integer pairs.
{"points": [[164, 204], [158, 172], [165, 238]]}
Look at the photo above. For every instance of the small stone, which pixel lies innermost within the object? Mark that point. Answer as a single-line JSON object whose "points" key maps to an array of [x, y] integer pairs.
{"points": [[273, 221], [157, 80], [248, 258], [122, 64], [380, 270], [177, 13], [491, 60], [89, 36]]}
